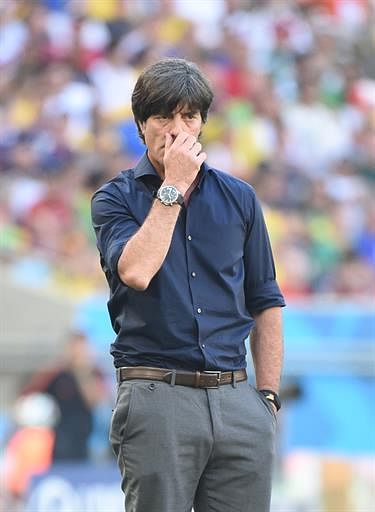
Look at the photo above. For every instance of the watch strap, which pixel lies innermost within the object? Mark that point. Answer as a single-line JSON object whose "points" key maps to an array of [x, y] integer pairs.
{"points": [[180, 199], [271, 396]]}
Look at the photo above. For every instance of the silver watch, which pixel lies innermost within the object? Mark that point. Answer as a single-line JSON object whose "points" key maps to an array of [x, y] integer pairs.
{"points": [[170, 195]]}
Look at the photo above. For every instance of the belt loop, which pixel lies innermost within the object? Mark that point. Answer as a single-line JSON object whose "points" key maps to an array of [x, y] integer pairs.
{"points": [[234, 382], [197, 379], [173, 378]]}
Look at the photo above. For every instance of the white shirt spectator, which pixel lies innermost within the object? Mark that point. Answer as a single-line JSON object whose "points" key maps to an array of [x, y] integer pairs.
{"points": [[314, 137], [114, 84], [13, 38]]}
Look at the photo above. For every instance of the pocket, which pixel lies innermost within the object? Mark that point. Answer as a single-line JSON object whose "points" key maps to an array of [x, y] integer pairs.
{"points": [[265, 403], [268, 404], [122, 412]]}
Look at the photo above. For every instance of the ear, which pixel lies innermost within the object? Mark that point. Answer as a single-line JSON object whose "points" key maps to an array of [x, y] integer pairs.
{"points": [[142, 127]]}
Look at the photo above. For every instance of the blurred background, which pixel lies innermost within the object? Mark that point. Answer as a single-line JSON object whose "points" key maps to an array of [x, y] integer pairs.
{"points": [[294, 115]]}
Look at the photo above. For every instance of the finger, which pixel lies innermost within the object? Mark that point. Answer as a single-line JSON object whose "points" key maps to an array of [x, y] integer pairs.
{"points": [[189, 142], [185, 140], [181, 139], [168, 140], [188, 145], [201, 158], [196, 148]]}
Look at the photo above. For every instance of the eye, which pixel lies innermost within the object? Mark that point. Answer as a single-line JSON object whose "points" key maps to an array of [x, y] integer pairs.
{"points": [[191, 115]]}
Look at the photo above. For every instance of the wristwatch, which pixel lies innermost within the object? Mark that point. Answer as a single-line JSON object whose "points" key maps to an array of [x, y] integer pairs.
{"points": [[272, 397], [170, 195]]}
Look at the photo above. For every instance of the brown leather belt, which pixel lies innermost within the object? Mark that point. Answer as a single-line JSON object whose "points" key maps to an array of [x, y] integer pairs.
{"points": [[206, 379]]}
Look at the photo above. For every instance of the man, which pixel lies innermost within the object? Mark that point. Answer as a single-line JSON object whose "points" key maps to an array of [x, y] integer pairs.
{"points": [[189, 265], [77, 386]]}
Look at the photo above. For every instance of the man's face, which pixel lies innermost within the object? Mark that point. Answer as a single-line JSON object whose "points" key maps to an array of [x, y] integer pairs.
{"points": [[155, 128]]}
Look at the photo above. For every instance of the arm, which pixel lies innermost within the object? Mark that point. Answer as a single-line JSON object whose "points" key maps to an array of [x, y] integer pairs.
{"points": [[264, 301], [145, 252], [266, 343]]}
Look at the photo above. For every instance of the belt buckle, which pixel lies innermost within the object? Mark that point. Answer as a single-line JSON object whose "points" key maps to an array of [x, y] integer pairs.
{"points": [[218, 378]]}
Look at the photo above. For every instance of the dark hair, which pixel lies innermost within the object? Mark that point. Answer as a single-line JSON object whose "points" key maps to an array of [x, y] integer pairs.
{"points": [[167, 84]]}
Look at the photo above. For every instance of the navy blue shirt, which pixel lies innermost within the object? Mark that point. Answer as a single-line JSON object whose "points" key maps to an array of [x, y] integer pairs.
{"points": [[197, 311]]}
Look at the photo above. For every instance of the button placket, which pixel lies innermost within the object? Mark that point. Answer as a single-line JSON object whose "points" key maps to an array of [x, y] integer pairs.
{"points": [[193, 275]]}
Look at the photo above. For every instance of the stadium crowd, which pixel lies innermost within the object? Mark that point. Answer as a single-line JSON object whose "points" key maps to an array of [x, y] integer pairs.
{"points": [[294, 115]]}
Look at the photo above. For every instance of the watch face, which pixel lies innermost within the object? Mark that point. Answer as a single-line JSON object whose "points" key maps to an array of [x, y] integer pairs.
{"points": [[168, 194]]}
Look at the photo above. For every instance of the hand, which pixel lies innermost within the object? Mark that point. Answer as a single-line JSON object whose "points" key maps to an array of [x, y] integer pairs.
{"points": [[182, 160]]}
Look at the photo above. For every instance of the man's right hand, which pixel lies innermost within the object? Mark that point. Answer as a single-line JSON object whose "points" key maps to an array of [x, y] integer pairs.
{"points": [[182, 160]]}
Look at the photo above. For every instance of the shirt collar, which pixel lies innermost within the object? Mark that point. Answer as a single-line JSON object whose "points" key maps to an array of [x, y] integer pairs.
{"points": [[145, 168]]}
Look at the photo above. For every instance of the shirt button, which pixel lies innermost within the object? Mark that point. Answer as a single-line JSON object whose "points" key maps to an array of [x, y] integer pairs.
{"points": [[193, 274], [199, 310], [203, 346], [189, 237]]}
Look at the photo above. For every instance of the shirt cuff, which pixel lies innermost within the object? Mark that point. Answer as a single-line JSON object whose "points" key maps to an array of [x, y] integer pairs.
{"points": [[264, 296], [113, 256]]}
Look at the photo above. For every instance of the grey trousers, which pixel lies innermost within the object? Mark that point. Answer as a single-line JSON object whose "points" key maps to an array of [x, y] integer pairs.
{"points": [[179, 447]]}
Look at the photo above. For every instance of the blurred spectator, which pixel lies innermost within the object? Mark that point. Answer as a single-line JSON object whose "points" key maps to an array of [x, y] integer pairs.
{"points": [[77, 386], [29, 449], [366, 239], [294, 115]]}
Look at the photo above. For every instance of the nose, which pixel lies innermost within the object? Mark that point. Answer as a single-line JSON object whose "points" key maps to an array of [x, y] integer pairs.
{"points": [[176, 125]]}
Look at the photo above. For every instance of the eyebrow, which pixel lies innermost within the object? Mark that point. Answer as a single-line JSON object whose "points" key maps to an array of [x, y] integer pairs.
{"points": [[188, 111], [182, 111]]}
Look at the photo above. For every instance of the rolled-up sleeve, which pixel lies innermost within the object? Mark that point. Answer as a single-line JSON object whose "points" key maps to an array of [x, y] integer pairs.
{"points": [[261, 288], [113, 223]]}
